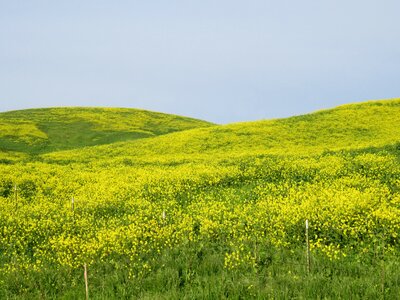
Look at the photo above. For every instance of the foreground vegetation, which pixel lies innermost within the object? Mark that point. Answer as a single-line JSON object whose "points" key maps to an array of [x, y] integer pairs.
{"points": [[214, 212]]}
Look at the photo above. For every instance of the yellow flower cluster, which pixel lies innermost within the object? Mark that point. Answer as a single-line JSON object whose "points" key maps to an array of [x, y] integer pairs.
{"points": [[127, 214]]}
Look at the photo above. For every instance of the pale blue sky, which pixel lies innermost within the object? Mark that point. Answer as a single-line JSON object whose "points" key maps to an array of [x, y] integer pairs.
{"points": [[219, 60]]}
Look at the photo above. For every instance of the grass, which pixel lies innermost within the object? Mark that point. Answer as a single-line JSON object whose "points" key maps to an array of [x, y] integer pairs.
{"points": [[198, 274], [37, 131], [349, 127], [242, 188]]}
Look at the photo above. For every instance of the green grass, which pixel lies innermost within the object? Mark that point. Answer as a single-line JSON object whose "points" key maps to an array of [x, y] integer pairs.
{"points": [[197, 273], [374, 123], [238, 188], [348, 127], [44, 130]]}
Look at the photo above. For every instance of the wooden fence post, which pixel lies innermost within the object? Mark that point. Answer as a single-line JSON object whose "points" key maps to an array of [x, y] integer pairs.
{"points": [[86, 281], [307, 249]]}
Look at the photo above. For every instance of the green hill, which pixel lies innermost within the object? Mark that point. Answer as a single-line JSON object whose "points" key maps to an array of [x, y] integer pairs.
{"points": [[347, 127], [52, 129], [213, 213]]}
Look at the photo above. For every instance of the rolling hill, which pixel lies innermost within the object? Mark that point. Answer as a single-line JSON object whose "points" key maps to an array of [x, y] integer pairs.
{"points": [[347, 127], [165, 207], [51, 129]]}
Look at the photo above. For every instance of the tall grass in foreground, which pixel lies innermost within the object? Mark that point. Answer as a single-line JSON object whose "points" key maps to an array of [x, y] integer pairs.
{"points": [[197, 272]]}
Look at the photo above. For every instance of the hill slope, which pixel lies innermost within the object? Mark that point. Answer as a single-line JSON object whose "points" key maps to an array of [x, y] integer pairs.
{"points": [[187, 214], [51, 129], [353, 126]]}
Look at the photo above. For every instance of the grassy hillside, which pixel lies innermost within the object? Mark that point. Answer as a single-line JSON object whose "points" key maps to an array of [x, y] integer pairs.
{"points": [[51, 129], [209, 213], [353, 126]]}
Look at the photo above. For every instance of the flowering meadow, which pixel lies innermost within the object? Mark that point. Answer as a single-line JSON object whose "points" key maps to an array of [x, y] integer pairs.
{"points": [[210, 213]]}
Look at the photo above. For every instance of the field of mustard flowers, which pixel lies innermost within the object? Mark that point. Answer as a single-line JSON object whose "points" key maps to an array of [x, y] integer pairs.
{"points": [[210, 213]]}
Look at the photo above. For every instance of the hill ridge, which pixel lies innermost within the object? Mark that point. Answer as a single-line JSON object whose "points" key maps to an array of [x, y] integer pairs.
{"points": [[348, 128], [42, 130]]}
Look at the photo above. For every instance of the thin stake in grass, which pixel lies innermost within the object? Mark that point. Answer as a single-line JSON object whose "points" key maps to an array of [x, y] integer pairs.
{"points": [[307, 249], [16, 196], [86, 281]]}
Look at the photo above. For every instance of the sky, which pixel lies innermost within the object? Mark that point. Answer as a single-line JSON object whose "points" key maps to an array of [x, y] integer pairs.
{"points": [[219, 60]]}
